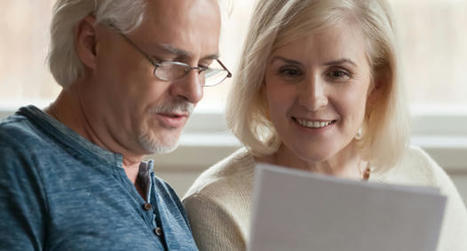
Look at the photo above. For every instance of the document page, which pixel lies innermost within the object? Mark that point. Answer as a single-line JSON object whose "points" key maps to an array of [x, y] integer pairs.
{"points": [[297, 210]]}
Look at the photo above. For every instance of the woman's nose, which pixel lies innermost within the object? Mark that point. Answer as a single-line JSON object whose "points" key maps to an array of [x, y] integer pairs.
{"points": [[312, 93]]}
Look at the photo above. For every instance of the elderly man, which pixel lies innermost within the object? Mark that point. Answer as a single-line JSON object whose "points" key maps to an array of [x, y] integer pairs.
{"points": [[72, 177]]}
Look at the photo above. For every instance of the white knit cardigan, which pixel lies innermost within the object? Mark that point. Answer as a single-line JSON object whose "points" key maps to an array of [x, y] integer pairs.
{"points": [[218, 203]]}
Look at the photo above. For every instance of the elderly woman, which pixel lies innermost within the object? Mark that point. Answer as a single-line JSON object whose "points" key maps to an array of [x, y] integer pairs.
{"points": [[317, 90]]}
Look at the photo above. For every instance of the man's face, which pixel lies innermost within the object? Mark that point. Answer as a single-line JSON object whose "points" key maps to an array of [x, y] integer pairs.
{"points": [[142, 113]]}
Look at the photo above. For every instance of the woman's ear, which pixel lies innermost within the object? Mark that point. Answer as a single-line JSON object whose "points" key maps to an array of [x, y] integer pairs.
{"points": [[373, 91], [85, 41], [377, 90], [380, 77]]}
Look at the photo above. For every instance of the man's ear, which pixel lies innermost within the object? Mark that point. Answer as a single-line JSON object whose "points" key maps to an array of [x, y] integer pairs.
{"points": [[85, 41]]}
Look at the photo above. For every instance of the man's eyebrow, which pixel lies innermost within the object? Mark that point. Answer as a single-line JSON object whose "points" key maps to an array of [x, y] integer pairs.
{"points": [[212, 56], [183, 53], [173, 50], [340, 62]]}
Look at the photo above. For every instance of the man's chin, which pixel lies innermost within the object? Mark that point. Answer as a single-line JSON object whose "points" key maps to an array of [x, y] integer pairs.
{"points": [[165, 149], [152, 146]]}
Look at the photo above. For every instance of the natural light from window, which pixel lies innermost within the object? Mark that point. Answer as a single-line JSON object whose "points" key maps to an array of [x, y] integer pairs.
{"points": [[431, 35]]}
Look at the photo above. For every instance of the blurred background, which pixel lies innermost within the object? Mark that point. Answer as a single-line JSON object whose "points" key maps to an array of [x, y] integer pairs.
{"points": [[433, 48]]}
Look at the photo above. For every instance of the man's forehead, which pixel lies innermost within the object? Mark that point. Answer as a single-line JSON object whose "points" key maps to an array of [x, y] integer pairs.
{"points": [[183, 53], [177, 8], [182, 28], [183, 13]]}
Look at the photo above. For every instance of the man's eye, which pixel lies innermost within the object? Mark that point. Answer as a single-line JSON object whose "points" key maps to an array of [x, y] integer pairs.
{"points": [[205, 64], [203, 67]]}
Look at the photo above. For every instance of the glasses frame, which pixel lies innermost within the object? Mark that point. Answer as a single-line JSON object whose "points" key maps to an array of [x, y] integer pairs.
{"points": [[188, 68]]}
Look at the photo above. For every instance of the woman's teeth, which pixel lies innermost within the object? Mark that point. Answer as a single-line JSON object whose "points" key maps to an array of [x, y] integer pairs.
{"points": [[313, 124]]}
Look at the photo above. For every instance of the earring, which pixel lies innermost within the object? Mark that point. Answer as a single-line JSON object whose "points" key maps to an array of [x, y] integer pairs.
{"points": [[359, 134]]}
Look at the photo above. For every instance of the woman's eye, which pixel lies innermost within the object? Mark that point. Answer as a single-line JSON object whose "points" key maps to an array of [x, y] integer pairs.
{"points": [[290, 72], [338, 75]]}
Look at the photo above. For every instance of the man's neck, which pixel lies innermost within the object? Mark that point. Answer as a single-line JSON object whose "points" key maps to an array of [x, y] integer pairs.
{"points": [[68, 109]]}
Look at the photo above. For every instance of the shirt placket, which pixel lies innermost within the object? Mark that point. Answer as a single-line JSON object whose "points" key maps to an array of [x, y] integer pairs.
{"points": [[151, 207]]}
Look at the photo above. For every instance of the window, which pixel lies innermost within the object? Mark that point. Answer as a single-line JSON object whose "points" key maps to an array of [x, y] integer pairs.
{"points": [[24, 77], [433, 50]]}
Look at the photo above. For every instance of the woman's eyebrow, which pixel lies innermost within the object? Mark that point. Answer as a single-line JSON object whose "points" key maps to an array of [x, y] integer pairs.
{"points": [[289, 61], [340, 62]]}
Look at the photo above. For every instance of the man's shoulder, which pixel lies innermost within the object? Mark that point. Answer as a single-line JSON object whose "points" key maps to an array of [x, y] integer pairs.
{"points": [[17, 131], [166, 192], [163, 186]]}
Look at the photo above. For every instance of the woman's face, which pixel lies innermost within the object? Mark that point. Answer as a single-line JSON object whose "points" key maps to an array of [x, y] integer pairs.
{"points": [[316, 89]]}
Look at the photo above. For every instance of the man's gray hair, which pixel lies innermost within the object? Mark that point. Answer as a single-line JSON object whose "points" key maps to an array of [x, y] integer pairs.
{"points": [[64, 63]]}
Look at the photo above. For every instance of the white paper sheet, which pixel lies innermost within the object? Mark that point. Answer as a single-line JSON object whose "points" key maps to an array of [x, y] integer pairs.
{"points": [[295, 210]]}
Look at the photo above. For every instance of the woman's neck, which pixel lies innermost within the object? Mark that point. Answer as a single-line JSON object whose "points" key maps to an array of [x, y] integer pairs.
{"points": [[348, 163]]}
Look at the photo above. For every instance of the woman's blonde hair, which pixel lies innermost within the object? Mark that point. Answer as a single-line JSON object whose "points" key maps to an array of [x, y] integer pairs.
{"points": [[278, 22]]}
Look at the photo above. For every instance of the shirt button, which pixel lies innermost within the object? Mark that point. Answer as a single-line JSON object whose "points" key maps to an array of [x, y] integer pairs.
{"points": [[158, 231], [147, 206]]}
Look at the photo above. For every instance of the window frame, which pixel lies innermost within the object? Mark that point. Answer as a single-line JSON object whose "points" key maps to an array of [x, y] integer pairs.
{"points": [[441, 131]]}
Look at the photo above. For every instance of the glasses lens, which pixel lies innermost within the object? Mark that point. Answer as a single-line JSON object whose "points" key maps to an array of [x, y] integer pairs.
{"points": [[214, 76], [169, 71]]}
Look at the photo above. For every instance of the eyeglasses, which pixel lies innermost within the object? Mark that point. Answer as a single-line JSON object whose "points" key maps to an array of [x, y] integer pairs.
{"points": [[172, 70]]}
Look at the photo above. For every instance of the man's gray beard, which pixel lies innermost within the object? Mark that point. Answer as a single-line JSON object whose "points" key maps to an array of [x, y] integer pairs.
{"points": [[152, 145]]}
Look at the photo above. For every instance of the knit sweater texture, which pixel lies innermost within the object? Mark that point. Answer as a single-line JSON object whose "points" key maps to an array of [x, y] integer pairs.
{"points": [[219, 202]]}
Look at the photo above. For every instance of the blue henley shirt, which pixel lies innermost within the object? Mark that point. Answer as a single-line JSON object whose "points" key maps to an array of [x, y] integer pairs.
{"points": [[58, 191]]}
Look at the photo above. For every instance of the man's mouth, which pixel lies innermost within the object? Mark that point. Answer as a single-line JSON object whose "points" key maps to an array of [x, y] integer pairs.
{"points": [[172, 120], [174, 115]]}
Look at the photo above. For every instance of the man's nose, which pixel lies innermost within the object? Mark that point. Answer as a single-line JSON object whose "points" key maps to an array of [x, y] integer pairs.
{"points": [[190, 87]]}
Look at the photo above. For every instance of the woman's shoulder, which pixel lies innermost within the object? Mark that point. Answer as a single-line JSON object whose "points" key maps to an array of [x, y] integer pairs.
{"points": [[228, 177], [416, 155], [416, 167], [240, 163]]}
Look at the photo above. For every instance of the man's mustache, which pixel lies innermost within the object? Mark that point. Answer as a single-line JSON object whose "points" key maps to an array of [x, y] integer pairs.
{"points": [[174, 107]]}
